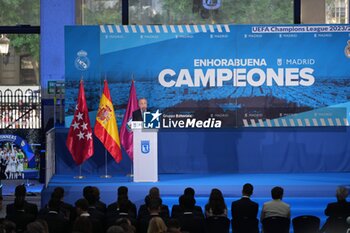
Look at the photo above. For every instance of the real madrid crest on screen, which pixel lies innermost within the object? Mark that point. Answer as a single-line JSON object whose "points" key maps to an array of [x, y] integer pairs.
{"points": [[347, 50], [145, 146], [211, 4], [82, 62]]}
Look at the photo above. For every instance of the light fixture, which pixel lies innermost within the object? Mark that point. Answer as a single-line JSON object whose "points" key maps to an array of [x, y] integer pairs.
{"points": [[4, 44]]}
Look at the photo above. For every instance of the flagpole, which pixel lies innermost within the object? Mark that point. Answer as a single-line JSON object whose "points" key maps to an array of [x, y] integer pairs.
{"points": [[131, 174], [79, 176], [106, 176]]}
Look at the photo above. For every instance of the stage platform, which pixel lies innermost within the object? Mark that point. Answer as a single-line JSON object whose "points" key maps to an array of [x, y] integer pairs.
{"points": [[307, 193]]}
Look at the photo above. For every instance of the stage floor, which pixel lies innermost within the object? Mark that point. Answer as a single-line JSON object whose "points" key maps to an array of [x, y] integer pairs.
{"points": [[307, 193]]}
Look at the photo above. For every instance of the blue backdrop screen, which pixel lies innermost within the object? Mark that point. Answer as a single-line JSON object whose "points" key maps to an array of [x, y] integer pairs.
{"points": [[241, 76]]}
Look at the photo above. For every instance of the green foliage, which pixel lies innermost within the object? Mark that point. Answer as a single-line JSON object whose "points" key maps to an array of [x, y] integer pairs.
{"points": [[101, 15], [181, 12], [13, 12], [22, 12], [231, 12], [26, 44]]}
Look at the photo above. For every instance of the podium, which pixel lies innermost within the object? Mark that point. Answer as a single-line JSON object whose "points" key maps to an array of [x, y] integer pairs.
{"points": [[145, 146]]}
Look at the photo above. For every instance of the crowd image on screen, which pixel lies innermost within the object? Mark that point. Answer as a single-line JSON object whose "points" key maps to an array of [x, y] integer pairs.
{"points": [[89, 214], [12, 161]]}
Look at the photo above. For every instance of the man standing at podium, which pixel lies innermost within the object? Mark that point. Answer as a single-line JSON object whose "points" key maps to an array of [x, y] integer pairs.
{"points": [[138, 114]]}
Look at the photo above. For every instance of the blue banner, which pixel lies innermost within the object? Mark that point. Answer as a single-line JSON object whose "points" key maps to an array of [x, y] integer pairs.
{"points": [[221, 75], [18, 142]]}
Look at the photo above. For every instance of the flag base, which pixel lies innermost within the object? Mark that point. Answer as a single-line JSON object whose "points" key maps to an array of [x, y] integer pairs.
{"points": [[79, 177], [106, 176]]}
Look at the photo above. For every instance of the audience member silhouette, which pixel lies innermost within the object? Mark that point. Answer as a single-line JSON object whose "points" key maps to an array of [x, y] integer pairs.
{"points": [[8, 226], [20, 195], [216, 205], [37, 227], [190, 221], [128, 207], [173, 226], [101, 206], [123, 211], [156, 225], [82, 225], [82, 208], [178, 209], [337, 212], [21, 212], [55, 220], [92, 209], [67, 210], [153, 193], [115, 229], [275, 207], [120, 216], [126, 225], [154, 209], [244, 212]]}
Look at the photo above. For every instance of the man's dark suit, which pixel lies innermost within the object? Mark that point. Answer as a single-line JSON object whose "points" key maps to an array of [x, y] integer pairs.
{"points": [[67, 210], [56, 222], [96, 214], [101, 206], [21, 219], [338, 209], [337, 213], [112, 217], [177, 210], [132, 210], [191, 222], [244, 212], [143, 211], [137, 115], [28, 208]]}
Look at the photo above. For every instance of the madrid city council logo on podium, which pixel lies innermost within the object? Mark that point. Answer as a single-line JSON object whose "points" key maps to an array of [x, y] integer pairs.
{"points": [[145, 146]]}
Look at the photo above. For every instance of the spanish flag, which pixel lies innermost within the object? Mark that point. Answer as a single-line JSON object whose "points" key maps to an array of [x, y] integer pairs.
{"points": [[106, 129]]}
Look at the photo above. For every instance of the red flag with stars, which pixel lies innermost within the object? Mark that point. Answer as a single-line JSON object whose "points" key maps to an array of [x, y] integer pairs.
{"points": [[79, 141]]}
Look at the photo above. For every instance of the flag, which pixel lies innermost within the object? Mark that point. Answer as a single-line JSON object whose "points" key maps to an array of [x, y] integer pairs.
{"points": [[79, 141], [106, 128], [126, 134]]}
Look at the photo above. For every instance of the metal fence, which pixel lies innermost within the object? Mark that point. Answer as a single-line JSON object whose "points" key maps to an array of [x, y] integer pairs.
{"points": [[20, 108]]}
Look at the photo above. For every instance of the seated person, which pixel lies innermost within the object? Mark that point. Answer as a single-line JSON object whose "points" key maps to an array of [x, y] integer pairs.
{"points": [[20, 195], [154, 210], [337, 212], [130, 207], [216, 205], [179, 209], [55, 220], [275, 207], [101, 206], [153, 193], [189, 220], [82, 209], [244, 212], [21, 212], [67, 210], [123, 211]]}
